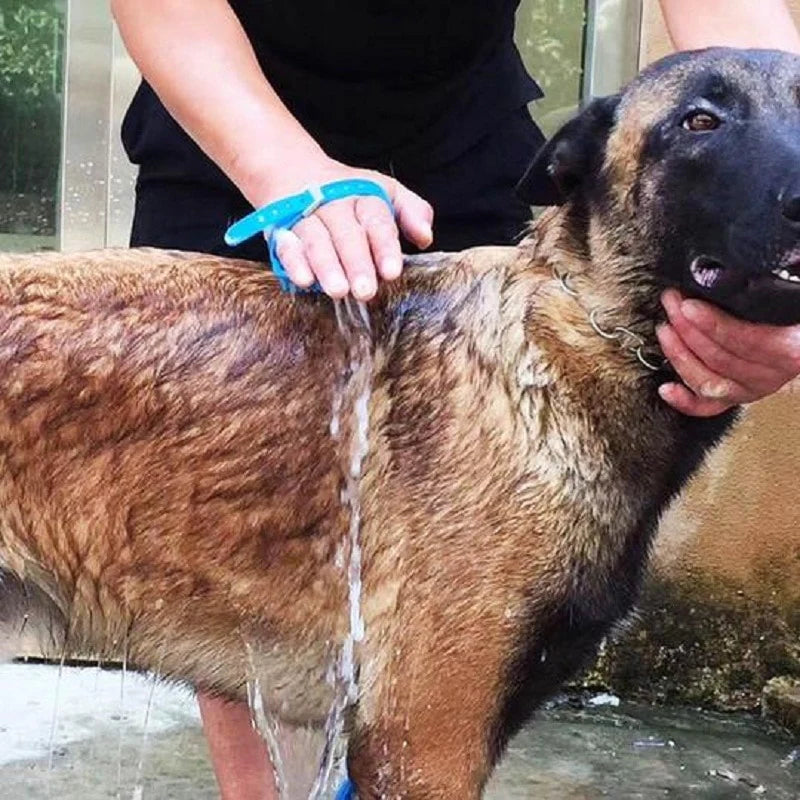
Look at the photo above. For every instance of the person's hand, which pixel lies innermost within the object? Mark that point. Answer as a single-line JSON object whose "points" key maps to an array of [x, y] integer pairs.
{"points": [[723, 361], [347, 245]]}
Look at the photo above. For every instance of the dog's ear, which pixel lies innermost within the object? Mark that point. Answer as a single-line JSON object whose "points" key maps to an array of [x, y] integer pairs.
{"points": [[574, 153]]}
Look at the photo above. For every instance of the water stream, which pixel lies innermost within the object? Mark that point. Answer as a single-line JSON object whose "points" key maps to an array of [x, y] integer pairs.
{"points": [[51, 746], [353, 320], [138, 787], [349, 427], [351, 396], [264, 722], [121, 737]]}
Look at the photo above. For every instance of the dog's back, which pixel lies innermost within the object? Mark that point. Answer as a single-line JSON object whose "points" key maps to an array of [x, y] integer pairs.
{"points": [[156, 482], [170, 488]]}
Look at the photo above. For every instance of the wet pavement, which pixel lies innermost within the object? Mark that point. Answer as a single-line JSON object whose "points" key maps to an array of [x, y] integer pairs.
{"points": [[635, 752], [103, 748]]}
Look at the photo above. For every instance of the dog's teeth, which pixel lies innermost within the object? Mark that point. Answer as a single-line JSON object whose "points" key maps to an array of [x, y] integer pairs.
{"points": [[785, 275]]}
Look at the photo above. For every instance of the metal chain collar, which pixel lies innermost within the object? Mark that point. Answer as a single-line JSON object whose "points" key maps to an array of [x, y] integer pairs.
{"points": [[628, 340]]}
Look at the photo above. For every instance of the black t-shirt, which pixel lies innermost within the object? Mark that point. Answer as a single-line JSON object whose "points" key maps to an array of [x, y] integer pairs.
{"points": [[412, 82]]}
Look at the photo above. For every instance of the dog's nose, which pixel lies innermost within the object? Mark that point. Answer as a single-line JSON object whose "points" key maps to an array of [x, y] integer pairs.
{"points": [[790, 205]]}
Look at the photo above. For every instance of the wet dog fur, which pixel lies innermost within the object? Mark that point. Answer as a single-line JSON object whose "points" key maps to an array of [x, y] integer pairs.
{"points": [[170, 488]]}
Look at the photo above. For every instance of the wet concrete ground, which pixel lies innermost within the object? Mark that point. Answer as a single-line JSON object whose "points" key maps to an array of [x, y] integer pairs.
{"points": [[628, 752], [639, 753]]}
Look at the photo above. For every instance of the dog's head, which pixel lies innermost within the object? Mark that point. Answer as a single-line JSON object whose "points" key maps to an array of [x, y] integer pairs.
{"points": [[693, 171]]}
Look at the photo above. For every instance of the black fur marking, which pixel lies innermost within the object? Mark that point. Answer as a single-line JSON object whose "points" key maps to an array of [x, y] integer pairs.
{"points": [[570, 642], [571, 158]]}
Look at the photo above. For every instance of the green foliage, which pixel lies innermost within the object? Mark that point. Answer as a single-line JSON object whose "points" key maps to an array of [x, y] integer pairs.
{"points": [[31, 52], [30, 42], [550, 38]]}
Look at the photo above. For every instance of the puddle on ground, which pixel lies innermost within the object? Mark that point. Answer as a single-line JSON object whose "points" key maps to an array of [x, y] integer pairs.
{"points": [[629, 752]]}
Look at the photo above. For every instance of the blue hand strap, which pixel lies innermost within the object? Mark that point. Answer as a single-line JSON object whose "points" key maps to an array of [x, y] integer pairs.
{"points": [[284, 214], [347, 791]]}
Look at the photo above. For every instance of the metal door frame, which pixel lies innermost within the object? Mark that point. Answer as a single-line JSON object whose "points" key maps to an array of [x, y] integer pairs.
{"points": [[612, 45], [96, 186]]}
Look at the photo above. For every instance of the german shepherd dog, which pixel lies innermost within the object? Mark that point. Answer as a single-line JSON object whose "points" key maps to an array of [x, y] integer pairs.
{"points": [[170, 487]]}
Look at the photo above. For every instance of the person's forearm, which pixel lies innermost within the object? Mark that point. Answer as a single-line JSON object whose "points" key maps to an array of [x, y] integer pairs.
{"points": [[198, 60], [695, 24], [239, 756]]}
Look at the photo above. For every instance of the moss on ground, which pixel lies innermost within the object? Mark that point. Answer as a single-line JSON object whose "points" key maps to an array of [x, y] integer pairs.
{"points": [[780, 702], [704, 643]]}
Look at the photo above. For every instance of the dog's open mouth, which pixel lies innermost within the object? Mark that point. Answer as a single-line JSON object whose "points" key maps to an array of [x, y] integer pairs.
{"points": [[789, 269], [706, 271], [709, 273]]}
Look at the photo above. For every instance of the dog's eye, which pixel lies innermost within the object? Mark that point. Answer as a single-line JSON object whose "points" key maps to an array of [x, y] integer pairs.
{"points": [[700, 122]]}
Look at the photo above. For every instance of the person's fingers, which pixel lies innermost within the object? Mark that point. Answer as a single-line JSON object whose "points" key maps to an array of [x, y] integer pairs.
{"points": [[322, 257], [761, 378], [384, 239], [705, 383], [348, 244], [289, 249], [352, 247], [414, 215], [777, 345], [683, 400]]}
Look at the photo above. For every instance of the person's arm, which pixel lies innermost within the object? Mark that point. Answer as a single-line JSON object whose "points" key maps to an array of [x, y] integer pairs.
{"points": [[721, 360], [238, 754], [197, 58], [695, 24]]}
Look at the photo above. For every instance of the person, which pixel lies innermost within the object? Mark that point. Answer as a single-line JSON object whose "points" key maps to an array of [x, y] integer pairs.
{"points": [[246, 101]]}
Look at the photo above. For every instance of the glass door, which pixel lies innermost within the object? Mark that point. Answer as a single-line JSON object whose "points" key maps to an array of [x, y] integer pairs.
{"points": [[32, 37], [550, 37]]}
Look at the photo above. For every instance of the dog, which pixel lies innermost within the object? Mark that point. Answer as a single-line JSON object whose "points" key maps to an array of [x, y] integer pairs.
{"points": [[170, 490]]}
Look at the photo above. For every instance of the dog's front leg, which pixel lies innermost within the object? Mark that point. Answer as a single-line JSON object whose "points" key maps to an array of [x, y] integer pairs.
{"points": [[426, 723]]}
